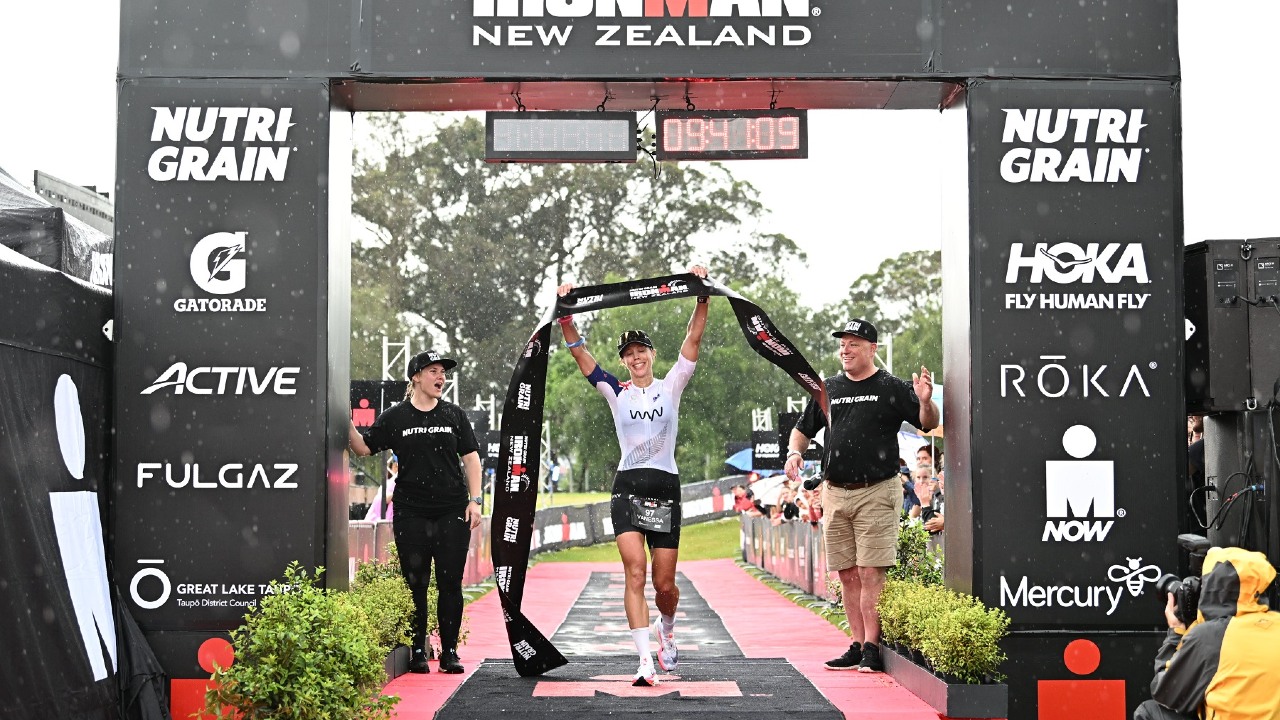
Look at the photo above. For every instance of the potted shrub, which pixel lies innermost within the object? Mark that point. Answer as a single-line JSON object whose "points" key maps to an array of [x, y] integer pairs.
{"points": [[945, 648], [379, 590], [304, 652]]}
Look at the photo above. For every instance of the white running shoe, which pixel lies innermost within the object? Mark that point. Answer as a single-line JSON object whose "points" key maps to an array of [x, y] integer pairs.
{"points": [[668, 653], [646, 676]]}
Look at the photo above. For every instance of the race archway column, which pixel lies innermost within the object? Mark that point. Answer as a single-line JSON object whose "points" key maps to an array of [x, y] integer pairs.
{"points": [[1073, 328], [232, 332]]}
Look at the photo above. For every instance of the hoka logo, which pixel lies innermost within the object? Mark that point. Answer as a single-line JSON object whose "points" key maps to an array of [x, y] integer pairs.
{"points": [[653, 414]]}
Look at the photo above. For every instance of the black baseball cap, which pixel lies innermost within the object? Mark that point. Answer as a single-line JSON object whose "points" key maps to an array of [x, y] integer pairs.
{"points": [[857, 328], [631, 337], [428, 357]]}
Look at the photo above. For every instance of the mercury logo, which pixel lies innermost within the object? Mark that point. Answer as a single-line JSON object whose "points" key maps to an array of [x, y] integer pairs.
{"points": [[251, 150], [640, 8], [1099, 127]]}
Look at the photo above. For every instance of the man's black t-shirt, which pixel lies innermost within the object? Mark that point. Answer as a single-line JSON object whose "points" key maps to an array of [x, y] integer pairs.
{"points": [[427, 445], [862, 443]]}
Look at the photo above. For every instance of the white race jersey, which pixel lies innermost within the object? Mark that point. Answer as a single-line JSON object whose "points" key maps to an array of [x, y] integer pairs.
{"points": [[646, 419]]}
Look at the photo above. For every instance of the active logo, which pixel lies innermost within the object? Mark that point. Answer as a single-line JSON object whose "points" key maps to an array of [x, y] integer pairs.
{"points": [[1080, 495], [1105, 139], [253, 144], [218, 266], [226, 380]]}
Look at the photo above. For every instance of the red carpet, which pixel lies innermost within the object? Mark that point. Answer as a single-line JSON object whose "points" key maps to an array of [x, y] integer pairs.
{"points": [[763, 623]]}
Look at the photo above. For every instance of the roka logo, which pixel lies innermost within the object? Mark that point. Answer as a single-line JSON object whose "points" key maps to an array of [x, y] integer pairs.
{"points": [[1101, 128], [1068, 262], [1080, 495]]}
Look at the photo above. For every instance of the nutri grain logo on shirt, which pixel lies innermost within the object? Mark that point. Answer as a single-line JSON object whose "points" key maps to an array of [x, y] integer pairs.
{"points": [[219, 266]]}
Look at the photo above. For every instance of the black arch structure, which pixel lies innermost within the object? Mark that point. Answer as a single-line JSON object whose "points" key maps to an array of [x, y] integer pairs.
{"points": [[1073, 149]]}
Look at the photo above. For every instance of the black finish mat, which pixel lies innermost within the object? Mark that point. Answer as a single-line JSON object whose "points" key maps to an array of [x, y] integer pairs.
{"points": [[596, 625], [712, 688]]}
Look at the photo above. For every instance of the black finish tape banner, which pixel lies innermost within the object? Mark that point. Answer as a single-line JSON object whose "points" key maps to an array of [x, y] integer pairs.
{"points": [[516, 492]]}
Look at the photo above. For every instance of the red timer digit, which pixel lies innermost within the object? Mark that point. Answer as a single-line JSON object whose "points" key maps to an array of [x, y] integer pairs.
{"points": [[732, 134]]}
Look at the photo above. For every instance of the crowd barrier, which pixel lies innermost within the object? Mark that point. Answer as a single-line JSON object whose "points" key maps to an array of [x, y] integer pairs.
{"points": [[794, 552], [555, 528]]}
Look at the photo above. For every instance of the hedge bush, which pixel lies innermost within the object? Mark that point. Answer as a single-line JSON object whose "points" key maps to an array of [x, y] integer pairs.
{"points": [[304, 653], [956, 633]]}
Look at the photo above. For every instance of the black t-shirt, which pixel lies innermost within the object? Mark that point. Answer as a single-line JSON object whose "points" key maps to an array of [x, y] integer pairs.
{"points": [[862, 444], [427, 445]]}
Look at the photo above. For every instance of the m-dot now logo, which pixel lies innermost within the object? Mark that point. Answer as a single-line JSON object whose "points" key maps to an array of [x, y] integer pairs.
{"points": [[219, 266]]}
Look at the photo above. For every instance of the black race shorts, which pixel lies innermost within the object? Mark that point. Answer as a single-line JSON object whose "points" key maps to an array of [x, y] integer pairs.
{"points": [[646, 483]]}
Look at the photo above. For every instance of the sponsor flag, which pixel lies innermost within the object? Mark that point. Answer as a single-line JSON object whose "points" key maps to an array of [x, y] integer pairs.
{"points": [[516, 486]]}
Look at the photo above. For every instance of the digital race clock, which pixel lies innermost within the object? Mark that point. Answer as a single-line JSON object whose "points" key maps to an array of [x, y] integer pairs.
{"points": [[732, 134], [560, 137]]}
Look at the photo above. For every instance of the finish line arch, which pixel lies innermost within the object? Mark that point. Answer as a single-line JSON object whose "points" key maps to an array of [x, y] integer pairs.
{"points": [[1062, 272]]}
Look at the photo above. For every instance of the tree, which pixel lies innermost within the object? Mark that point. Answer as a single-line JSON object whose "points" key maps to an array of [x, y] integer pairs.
{"points": [[461, 249], [903, 297]]}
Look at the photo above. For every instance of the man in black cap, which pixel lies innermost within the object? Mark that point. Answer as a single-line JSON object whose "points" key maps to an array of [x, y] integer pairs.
{"points": [[438, 498], [862, 495]]}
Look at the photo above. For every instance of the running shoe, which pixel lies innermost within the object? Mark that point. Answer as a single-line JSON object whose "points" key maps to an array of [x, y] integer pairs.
{"points": [[850, 660], [449, 663], [418, 662], [871, 661], [668, 653], [646, 676]]}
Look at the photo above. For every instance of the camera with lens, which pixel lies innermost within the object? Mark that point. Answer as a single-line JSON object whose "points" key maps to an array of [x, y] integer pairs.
{"points": [[1186, 595]]}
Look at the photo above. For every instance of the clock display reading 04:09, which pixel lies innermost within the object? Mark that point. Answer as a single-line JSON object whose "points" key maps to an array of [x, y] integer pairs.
{"points": [[732, 134]]}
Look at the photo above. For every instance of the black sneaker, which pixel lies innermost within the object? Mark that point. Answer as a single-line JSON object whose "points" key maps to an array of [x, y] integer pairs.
{"points": [[418, 663], [449, 663], [849, 660], [871, 661]]}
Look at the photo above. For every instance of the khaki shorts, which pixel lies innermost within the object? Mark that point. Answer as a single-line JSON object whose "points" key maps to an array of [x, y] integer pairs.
{"points": [[861, 524]]}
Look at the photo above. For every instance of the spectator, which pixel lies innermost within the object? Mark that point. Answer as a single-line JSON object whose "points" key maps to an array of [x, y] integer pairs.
{"points": [[381, 507], [910, 503], [1195, 468], [741, 499], [860, 500], [924, 456], [930, 497]]}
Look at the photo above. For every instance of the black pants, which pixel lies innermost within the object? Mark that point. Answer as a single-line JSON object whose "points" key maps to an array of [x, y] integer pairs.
{"points": [[420, 542], [1152, 710]]}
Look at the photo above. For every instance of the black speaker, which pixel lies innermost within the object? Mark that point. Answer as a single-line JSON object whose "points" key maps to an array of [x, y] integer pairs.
{"points": [[1217, 296], [1263, 267]]}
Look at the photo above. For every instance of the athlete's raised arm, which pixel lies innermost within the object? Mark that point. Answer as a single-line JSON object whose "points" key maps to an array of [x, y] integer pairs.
{"points": [[697, 322], [573, 340]]}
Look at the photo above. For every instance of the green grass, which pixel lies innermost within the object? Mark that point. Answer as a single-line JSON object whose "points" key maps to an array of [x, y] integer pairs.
{"points": [[703, 541], [563, 499]]}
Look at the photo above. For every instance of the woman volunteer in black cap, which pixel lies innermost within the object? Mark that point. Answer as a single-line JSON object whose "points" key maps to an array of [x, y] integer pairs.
{"points": [[437, 498], [646, 488]]}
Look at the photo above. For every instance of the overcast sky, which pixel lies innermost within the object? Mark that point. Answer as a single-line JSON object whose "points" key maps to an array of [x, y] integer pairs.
{"points": [[877, 194]]}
